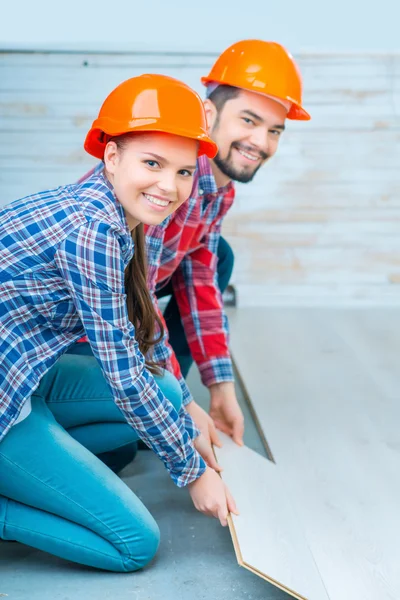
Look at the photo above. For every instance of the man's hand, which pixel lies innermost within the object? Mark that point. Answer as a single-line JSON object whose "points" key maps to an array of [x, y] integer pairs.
{"points": [[204, 422], [225, 410]]}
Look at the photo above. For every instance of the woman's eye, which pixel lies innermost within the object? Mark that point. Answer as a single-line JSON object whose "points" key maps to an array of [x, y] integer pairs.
{"points": [[152, 163], [248, 121], [186, 173]]}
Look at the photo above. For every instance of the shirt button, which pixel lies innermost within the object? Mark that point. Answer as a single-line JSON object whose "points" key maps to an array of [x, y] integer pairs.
{"points": [[201, 192]]}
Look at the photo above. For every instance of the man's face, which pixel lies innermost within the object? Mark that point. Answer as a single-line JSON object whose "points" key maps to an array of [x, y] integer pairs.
{"points": [[247, 130]]}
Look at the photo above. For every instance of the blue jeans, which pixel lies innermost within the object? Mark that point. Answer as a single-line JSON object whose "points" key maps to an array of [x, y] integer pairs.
{"points": [[55, 495], [122, 453]]}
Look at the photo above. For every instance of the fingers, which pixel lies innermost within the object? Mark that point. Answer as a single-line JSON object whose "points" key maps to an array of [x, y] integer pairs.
{"points": [[235, 431], [224, 428], [204, 430], [207, 453], [209, 496], [212, 461], [231, 504], [223, 514], [238, 432], [214, 438], [206, 434]]}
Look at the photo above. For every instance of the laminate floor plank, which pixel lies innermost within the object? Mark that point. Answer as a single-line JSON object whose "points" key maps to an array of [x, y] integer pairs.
{"points": [[330, 416]]}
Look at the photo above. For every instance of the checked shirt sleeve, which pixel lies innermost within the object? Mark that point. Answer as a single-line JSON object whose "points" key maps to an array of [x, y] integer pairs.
{"points": [[201, 308], [91, 261]]}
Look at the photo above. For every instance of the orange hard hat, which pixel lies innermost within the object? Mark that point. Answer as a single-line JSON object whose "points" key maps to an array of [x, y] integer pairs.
{"points": [[262, 67], [151, 103]]}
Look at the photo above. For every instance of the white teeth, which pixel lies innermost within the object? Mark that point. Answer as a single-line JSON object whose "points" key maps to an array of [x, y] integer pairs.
{"points": [[156, 200], [249, 156]]}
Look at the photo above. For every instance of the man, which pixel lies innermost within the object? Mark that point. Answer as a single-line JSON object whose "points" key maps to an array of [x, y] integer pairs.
{"points": [[253, 87]]}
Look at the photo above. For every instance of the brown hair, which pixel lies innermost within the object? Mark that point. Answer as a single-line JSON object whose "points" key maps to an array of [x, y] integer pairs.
{"points": [[220, 96], [141, 311]]}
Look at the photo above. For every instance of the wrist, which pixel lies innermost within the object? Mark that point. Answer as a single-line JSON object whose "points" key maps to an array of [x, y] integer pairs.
{"points": [[222, 389]]}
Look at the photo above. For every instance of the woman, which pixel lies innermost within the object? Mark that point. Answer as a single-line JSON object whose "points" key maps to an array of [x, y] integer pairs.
{"points": [[64, 255]]}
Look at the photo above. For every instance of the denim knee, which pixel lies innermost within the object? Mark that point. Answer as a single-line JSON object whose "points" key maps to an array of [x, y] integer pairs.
{"points": [[140, 553]]}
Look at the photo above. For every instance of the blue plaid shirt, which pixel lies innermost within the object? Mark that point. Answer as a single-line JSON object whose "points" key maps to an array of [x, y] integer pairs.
{"points": [[183, 249], [63, 254]]}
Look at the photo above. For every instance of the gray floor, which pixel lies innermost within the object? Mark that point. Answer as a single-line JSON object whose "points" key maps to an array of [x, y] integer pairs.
{"points": [[325, 385], [196, 559]]}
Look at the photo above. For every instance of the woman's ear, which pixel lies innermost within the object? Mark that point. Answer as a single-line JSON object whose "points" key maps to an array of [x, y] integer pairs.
{"points": [[211, 113], [111, 157]]}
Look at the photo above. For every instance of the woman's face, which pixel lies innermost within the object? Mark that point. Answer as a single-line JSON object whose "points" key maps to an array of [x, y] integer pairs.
{"points": [[152, 174]]}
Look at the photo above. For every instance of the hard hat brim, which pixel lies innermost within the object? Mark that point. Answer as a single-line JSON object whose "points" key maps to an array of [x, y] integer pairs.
{"points": [[95, 145], [296, 112]]}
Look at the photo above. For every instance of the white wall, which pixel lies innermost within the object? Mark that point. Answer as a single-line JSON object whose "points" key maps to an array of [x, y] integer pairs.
{"points": [[210, 25], [319, 225]]}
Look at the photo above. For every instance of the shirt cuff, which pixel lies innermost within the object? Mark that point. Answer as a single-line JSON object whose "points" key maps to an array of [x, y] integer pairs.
{"points": [[216, 370], [186, 394], [189, 424], [184, 473]]}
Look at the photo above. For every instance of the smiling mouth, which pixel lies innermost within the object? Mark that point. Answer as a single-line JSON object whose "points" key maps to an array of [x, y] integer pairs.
{"points": [[248, 155], [157, 201]]}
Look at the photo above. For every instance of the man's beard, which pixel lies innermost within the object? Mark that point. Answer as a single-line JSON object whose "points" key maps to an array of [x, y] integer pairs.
{"points": [[241, 174]]}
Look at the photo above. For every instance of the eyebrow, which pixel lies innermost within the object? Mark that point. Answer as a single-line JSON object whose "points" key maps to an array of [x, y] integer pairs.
{"points": [[253, 115], [164, 160]]}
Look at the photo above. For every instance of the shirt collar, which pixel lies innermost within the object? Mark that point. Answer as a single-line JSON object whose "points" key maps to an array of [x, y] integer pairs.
{"points": [[206, 184], [107, 188]]}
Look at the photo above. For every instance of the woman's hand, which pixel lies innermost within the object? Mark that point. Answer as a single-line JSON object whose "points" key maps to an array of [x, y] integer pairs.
{"points": [[204, 422], [204, 448], [211, 496]]}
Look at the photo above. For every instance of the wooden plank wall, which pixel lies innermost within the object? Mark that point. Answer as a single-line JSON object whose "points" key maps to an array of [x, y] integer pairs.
{"points": [[319, 225]]}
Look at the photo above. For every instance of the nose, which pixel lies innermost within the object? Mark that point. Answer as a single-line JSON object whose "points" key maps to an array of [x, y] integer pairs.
{"points": [[167, 182], [259, 139]]}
